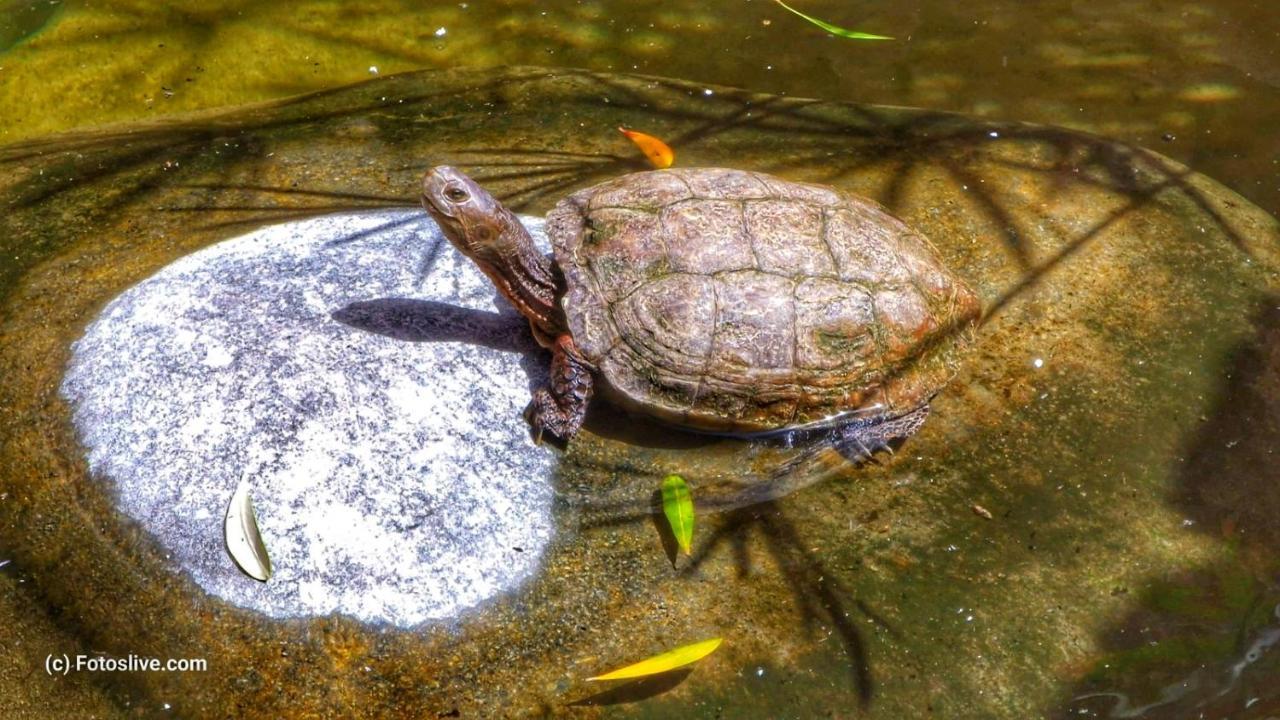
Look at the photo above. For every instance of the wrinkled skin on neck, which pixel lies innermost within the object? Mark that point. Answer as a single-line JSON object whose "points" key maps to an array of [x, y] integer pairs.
{"points": [[485, 231]]}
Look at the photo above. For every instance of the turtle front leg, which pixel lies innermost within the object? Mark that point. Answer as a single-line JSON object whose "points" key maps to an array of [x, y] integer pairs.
{"points": [[561, 405]]}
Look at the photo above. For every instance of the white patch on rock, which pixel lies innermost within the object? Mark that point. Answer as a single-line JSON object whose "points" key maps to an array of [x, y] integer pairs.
{"points": [[367, 383]]}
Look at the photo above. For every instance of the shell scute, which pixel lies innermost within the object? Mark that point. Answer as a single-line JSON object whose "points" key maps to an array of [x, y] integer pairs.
{"points": [[865, 250], [788, 237], [637, 253], [722, 399], [834, 328], [672, 320], [905, 321], [726, 184], [807, 192], [754, 329], [635, 382], [722, 241]]}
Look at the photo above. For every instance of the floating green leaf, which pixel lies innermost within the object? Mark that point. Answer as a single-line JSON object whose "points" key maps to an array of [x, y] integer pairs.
{"points": [[833, 29], [677, 504], [670, 660], [244, 542]]}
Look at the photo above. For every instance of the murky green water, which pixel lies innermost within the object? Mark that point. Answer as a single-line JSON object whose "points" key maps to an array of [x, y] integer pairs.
{"points": [[1116, 419], [1197, 80]]}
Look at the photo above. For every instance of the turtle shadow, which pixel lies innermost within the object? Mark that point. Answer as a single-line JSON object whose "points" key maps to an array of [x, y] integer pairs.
{"points": [[430, 321], [416, 320], [426, 321], [606, 420]]}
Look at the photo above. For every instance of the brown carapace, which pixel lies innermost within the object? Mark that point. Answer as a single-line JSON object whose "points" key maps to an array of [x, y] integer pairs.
{"points": [[723, 301]]}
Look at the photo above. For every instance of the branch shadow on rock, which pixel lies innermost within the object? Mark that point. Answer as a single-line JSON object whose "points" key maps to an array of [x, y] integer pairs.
{"points": [[833, 140], [820, 597]]}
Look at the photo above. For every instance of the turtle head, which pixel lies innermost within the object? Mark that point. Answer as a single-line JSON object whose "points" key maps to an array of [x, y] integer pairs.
{"points": [[495, 240], [467, 214]]}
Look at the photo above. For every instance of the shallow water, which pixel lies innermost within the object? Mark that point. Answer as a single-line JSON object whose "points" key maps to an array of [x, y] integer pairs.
{"points": [[1200, 81], [1116, 419]]}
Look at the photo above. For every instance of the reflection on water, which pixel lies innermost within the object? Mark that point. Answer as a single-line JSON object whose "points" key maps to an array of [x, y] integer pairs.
{"points": [[1243, 685]]}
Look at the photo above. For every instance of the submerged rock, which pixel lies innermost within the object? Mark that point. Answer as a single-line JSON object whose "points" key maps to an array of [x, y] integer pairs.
{"points": [[1117, 286]]}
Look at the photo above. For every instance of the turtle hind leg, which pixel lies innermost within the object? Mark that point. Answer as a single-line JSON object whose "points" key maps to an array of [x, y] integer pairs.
{"points": [[859, 440], [560, 406], [856, 441]]}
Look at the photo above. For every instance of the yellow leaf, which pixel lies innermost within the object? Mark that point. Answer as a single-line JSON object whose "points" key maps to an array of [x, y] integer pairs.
{"points": [[670, 660], [660, 156]]}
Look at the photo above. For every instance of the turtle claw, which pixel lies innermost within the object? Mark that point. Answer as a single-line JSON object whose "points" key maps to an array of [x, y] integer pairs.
{"points": [[532, 417], [546, 416]]}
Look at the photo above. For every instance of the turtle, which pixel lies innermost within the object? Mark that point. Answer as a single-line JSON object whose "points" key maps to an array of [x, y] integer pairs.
{"points": [[722, 301]]}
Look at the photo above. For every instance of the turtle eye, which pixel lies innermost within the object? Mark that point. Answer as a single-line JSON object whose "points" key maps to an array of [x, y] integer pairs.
{"points": [[456, 194]]}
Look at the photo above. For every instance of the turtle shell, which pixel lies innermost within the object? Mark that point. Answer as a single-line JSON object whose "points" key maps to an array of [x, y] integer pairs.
{"points": [[733, 301]]}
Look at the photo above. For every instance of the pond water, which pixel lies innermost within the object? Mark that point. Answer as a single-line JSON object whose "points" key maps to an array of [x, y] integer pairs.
{"points": [[1199, 81], [1085, 526]]}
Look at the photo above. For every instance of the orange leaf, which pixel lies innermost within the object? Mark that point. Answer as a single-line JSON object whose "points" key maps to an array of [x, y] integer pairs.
{"points": [[657, 151]]}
